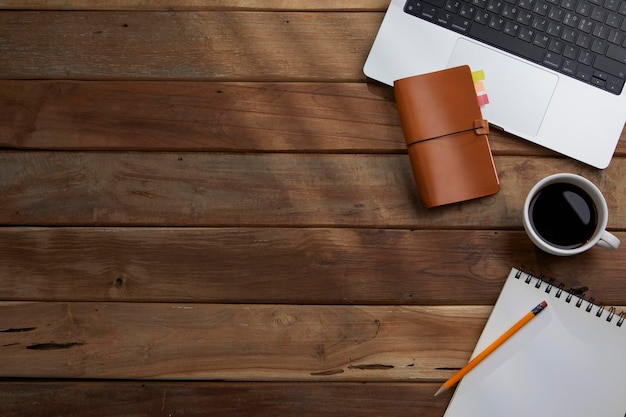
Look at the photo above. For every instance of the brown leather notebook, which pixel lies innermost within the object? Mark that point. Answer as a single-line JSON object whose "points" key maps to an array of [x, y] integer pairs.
{"points": [[446, 137]]}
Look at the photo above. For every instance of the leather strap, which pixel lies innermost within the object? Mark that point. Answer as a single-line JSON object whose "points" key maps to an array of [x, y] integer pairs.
{"points": [[481, 127]]}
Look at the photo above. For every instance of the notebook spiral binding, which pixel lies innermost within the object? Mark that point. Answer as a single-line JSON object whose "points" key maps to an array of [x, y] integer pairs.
{"points": [[539, 281]]}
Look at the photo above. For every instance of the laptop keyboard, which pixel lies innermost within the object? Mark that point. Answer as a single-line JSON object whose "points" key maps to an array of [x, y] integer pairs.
{"points": [[583, 39]]}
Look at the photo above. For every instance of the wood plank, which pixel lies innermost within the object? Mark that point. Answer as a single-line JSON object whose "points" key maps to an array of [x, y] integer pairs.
{"points": [[340, 5], [286, 266], [212, 116], [236, 342], [200, 189], [223, 399], [199, 116], [248, 46]]}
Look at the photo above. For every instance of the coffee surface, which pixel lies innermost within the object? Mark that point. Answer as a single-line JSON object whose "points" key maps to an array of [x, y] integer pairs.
{"points": [[563, 215]]}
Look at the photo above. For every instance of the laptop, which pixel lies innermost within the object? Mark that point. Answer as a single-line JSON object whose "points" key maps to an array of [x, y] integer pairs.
{"points": [[554, 69]]}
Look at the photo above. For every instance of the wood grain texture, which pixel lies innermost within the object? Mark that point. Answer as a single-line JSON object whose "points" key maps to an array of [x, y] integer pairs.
{"points": [[337, 5], [236, 342], [244, 46], [196, 116], [223, 399], [285, 265], [286, 251], [212, 116], [201, 189]]}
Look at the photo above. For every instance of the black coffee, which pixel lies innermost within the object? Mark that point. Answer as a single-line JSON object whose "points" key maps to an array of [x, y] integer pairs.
{"points": [[563, 215]]}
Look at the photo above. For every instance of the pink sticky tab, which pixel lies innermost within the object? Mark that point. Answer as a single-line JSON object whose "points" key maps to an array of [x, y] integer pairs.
{"points": [[483, 99]]}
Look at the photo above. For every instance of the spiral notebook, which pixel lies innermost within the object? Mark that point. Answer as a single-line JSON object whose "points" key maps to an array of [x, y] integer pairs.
{"points": [[570, 360]]}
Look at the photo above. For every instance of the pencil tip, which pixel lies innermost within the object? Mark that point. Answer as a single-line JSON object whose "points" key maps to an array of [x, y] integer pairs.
{"points": [[440, 390]]}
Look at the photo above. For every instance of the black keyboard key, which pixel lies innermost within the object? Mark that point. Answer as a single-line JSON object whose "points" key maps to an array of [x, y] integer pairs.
{"points": [[496, 23], [556, 46], [468, 11], [541, 40], [614, 20], [428, 12], [584, 74], [568, 4], [612, 5], [482, 18], [615, 37], [617, 53], [571, 19], [569, 35], [554, 29], [601, 31], [511, 28], [583, 8], [584, 40], [614, 87], [507, 42], [601, 75], [586, 58], [509, 12], [495, 6], [437, 3], [556, 13], [610, 66], [444, 18], [541, 8], [539, 23], [599, 46], [586, 25], [525, 4], [552, 60], [526, 34], [524, 18], [413, 7], [571, 52], [453, 6], [569, 67], [598, 82], [598, 14], [461, 24]]}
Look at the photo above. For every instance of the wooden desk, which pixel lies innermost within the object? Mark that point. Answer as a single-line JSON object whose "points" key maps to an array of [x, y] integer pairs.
{"points": [[206, 209]]}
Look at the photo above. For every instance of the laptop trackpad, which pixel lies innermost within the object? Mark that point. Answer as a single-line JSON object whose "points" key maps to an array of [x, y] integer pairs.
{"points": [[518, 92]]}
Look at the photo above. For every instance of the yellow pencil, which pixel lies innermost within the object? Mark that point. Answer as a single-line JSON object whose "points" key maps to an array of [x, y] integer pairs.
{"points": [[482, 355]]}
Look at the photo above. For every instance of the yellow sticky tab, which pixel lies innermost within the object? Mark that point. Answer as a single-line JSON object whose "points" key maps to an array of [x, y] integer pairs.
{"points": [[478, 75]]}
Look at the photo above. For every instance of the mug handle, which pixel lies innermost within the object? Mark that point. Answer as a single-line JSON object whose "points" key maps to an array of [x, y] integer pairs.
{"points": [[608, 241]]}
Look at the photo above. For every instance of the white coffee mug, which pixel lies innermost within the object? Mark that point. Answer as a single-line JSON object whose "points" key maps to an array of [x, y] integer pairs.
{"points": [[566, 214]]}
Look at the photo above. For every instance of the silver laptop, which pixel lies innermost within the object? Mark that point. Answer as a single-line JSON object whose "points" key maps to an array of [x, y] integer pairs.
{"points": [[566, 97]]}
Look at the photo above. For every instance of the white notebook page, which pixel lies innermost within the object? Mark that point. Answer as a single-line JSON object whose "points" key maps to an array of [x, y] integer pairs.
{"points": [[566, 361]]}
